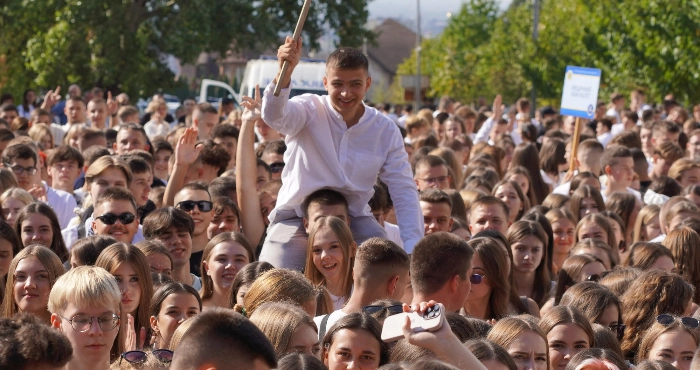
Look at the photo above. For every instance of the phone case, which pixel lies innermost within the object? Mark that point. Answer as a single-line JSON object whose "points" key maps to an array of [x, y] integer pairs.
{"points": [[430, 321]]}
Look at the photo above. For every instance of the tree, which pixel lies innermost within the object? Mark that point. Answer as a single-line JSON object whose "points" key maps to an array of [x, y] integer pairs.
{"points": [[122, 45]]}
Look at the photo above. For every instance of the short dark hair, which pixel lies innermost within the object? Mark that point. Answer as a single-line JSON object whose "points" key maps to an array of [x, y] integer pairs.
{"points": [[490, 201], [65, 153], [222, 186], [348, 58], [433, 195], [87, 250], [197, 185], [430, 161], [378, 258], [94, 153], [6, 135], [260, 163], [116, 193], [607, 122], [205, 108], [215, 156], [8, 107], [21, 151], [146, 156], [222, 131], [326, 197], [612, 153], [28, 341], [220, 204], [217, 335], [436, 259], [91, 134], [158, 221], [136, 164], [379, 201], [277, 147], [160, 144]]}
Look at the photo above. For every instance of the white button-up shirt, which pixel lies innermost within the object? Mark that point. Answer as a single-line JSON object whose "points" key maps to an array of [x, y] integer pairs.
{"points": [[322, 152]]}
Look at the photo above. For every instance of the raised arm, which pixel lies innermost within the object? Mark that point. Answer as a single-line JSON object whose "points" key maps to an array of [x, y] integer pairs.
{"points": [[279, 112], [186, 152], [485, 130], [246, 171]]}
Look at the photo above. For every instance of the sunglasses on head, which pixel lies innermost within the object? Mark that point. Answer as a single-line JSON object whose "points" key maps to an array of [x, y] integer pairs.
{"points": [[688, 322], [276, 167], [393, 310], [188, 205], [140, 357], [476, 278], [111, 218]]}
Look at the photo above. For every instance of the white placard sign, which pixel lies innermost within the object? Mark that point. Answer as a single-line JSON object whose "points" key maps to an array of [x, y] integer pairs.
{"points": [[580, 94]]}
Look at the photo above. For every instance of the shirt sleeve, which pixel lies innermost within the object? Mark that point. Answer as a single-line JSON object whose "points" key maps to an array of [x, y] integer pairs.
{"points": [[397, 174], [288, 116], [484, 131]]}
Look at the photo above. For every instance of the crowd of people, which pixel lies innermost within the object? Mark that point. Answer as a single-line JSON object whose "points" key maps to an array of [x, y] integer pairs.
{"points": [[284, 233]]}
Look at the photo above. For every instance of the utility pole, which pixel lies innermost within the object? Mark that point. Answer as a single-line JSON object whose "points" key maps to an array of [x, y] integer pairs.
{"points": [[535, 35], [418, 50]]}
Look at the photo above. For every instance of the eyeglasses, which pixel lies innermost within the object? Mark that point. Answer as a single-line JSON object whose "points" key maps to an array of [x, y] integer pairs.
{"points": [[619, 329], [82, 323], [140, 357], [476, 278], [188, 205], [393, 310], [18, 170], [666, 320], [594, 278], [276, 167], [111, 218], [435, 180]]}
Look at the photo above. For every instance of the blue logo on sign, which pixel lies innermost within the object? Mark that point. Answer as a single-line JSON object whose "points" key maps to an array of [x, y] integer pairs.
{"points": [[590, 110]]}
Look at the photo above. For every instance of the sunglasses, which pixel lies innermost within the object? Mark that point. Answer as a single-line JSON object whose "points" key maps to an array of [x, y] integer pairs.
{"points": [[276, 167], [111, 218], [618, 329], [393, 310], [688, 322], [188, 205], [140, 357], [476, 278]]}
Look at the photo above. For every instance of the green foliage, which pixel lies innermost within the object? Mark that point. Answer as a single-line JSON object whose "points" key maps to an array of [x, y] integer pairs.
{"points": [[122, 44], [637, 43]]}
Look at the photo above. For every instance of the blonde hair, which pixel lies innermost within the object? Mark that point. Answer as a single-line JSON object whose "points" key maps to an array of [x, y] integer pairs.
{"points": [[507, 330], [683, 205], [179, 333], [151, 247], [38, 131], [50, 261], [347, 246], [17, 193], [279, 285], [73, 133], [279, 321], [107, 162], [207, 283], [8, 179], [655, 331], [677, 168], [646, 214], [90, 286]]}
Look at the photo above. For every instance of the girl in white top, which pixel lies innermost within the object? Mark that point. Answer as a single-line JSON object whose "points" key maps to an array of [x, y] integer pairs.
{"points": [[330, 255], [157, 126]]}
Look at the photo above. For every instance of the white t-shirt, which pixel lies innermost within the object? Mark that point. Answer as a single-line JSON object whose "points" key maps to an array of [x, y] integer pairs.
{"points": [[392, 233]]}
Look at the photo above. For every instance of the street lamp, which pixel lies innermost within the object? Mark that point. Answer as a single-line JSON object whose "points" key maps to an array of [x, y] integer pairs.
{"points": [[418, 50]]}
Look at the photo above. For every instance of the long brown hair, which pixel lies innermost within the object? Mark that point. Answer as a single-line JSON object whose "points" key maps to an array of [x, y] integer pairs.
{"points": [[567, 315], [526, 155], [592, 299], [646, 214], [347, 246], [519, 231], [643, 255], [683, 242], [57, 244], [207, 283], [654, 293], [507, 330], [585, 191], [279, 285], [525, 203], [520, 170], [493, 258], [604, 223], [655, 331], [115, 255], [279, 321], [572, 268]]}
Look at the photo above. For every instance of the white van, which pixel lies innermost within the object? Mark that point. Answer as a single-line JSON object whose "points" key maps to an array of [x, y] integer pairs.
{"points": [[306, 79]]}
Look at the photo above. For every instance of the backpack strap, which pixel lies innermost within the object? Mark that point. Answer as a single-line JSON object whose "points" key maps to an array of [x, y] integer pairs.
{"points": [[324, 323]]}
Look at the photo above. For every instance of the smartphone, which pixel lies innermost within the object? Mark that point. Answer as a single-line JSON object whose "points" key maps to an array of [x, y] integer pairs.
{"points": [[431, 320]]}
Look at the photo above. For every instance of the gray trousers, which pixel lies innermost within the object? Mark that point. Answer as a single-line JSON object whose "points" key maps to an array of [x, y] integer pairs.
{"points": [[286, 242]]}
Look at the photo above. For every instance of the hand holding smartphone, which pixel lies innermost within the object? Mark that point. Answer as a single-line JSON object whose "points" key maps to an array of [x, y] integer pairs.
{"points": [[431, 320]]}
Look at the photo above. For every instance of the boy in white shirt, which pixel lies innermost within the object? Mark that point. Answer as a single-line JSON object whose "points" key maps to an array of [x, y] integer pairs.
{"points": [[338, 142]]}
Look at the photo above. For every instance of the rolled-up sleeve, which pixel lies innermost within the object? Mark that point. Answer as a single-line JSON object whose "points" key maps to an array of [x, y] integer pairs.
{"points": [[398, 176], [288, 116]]}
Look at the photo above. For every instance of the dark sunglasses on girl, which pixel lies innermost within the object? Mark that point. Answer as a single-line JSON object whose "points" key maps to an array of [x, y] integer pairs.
{"points": [[111, 218], [140, 357], [188, 205], [476, 278], [688, 322], [618, 329], [393, 310]]}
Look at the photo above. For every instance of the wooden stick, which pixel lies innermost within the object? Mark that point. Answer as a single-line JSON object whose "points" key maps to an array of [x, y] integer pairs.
{"points": [[574, 145], [297, 34]]}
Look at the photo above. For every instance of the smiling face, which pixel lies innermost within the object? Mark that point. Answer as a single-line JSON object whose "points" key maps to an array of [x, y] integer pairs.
{"points": [[201, 219], [175, 309], [223, 263], [676, 347], [94, 345], [353, 349], [346, 90], [226, 221], [32, 286], [118, 230], [328, 254], [140, 187], [565, 341], [128, 281], [527, 254], [36, 228], [529, 351]]}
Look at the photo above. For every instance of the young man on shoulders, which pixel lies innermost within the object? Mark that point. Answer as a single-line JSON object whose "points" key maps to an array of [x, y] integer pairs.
{"points": [[336, 141]]}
